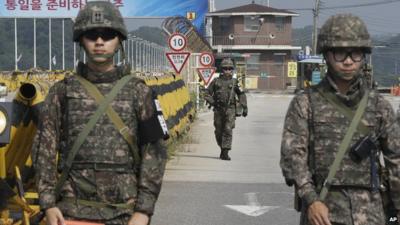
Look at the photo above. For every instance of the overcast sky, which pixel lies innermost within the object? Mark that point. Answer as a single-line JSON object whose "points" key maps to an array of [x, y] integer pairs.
{"points": [[380, 19]]}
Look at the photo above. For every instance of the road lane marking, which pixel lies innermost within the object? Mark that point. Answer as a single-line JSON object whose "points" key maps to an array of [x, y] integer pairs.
{"points": [[253, 207]]}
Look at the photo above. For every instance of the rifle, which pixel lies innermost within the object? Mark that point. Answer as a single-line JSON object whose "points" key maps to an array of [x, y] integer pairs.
{"points": [[238, 105], [231, 93], [388, 206]]}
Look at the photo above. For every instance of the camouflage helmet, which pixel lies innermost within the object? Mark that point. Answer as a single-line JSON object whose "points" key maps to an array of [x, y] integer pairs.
{"points": [[343, 30], [227, 62], [98, 14]]}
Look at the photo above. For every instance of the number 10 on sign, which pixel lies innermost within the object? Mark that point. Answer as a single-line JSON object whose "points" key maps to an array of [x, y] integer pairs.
{"points": [[177, 42], [206, 59]]}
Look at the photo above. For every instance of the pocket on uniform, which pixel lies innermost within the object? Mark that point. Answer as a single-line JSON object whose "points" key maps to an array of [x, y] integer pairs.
{"points": [[84, 185], [323, 127]]}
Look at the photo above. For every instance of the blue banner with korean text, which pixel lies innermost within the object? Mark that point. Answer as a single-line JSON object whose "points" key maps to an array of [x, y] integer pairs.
{"points": [[192, 9]]}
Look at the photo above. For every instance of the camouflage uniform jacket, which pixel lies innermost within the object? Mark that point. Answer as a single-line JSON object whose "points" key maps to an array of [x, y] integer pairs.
{"points": [[219, 91], [353, 180], [66, 111]]}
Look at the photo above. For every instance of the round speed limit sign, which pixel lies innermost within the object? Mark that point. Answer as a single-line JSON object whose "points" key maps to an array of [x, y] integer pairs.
{"points": [[206, 59], [177, 42]]}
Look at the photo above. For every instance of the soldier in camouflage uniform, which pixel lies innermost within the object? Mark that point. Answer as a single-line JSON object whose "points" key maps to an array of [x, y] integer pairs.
{"points": [[104, 183], [314, 129], [221, 94]]}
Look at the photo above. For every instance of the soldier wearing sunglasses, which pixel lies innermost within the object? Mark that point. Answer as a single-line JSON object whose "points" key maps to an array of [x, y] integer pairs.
{"points": [[221, 94], [112, 161], [335, 133]]}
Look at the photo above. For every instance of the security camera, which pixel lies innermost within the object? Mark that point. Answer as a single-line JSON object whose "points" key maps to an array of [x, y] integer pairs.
{"points": [[261, 20], [231, 37], [272, 36]]}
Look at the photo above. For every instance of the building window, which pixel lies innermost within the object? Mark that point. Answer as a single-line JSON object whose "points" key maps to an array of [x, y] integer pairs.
{"points": [[253, 61], [224, 24], [279, 23], [279, 64], [251, 23]]}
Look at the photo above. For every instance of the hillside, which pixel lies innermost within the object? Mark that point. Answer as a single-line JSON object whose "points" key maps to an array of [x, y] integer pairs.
{"points": [[385, 58]]}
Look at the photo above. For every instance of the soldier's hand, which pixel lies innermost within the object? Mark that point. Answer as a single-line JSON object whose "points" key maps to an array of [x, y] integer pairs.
{"points": [[54, 217], [138, 218], [244, 114], [318, 214], [210, 104]]}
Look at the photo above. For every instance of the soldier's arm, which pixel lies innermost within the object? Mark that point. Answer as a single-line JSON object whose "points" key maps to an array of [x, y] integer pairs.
{"points": [[45, 147], [294, 149], [390, 142], [153, 156]]}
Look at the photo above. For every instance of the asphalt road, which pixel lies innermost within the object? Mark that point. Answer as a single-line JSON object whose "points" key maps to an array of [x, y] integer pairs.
{"points": [[200, 189]]}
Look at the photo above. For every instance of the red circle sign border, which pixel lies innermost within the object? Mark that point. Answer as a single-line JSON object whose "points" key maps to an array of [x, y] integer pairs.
{"points": [[212, 59], [176, 49]]}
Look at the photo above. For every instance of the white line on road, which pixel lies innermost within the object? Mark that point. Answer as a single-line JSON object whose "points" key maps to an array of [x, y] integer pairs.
{"points": [[253, 207], [251, 210]]}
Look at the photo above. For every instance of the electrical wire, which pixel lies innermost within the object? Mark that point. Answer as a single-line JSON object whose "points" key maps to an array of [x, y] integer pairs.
{"points": [[347, 6]]}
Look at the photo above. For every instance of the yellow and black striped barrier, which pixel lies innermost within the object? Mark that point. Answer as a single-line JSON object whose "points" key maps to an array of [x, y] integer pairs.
{"points": [[174, 98]]}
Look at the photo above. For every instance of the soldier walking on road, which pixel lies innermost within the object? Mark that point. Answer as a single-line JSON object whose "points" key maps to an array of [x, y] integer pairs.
{"points": [[336, 132], [221, 94], [110, 151]]}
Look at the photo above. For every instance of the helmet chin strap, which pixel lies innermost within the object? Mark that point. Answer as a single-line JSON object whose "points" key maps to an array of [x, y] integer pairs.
{"points": [[228, 74], [108, 57], [342, 76]]}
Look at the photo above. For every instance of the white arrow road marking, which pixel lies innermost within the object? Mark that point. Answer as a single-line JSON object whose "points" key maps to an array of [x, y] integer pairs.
{"points": [[253, 207], [251, 210]]}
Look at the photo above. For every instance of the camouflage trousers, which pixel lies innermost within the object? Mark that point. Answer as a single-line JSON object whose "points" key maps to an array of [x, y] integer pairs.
{"points": [[224, 122], [352, 207]]}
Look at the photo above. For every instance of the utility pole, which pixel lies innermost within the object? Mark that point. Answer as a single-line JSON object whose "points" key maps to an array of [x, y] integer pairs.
{"points": [[15, 43], [315, 25], [50, 58], [211, 6]]}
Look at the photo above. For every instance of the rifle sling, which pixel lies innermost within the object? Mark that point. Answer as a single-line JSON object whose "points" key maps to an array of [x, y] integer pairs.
{"points": [[344, 145], [345, 110], [114, 117], [231, 92]]}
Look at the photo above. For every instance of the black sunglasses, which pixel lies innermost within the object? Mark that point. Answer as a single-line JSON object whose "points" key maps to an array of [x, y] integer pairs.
{"points": [[227, 68], [106, 35], [341, 55]]}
